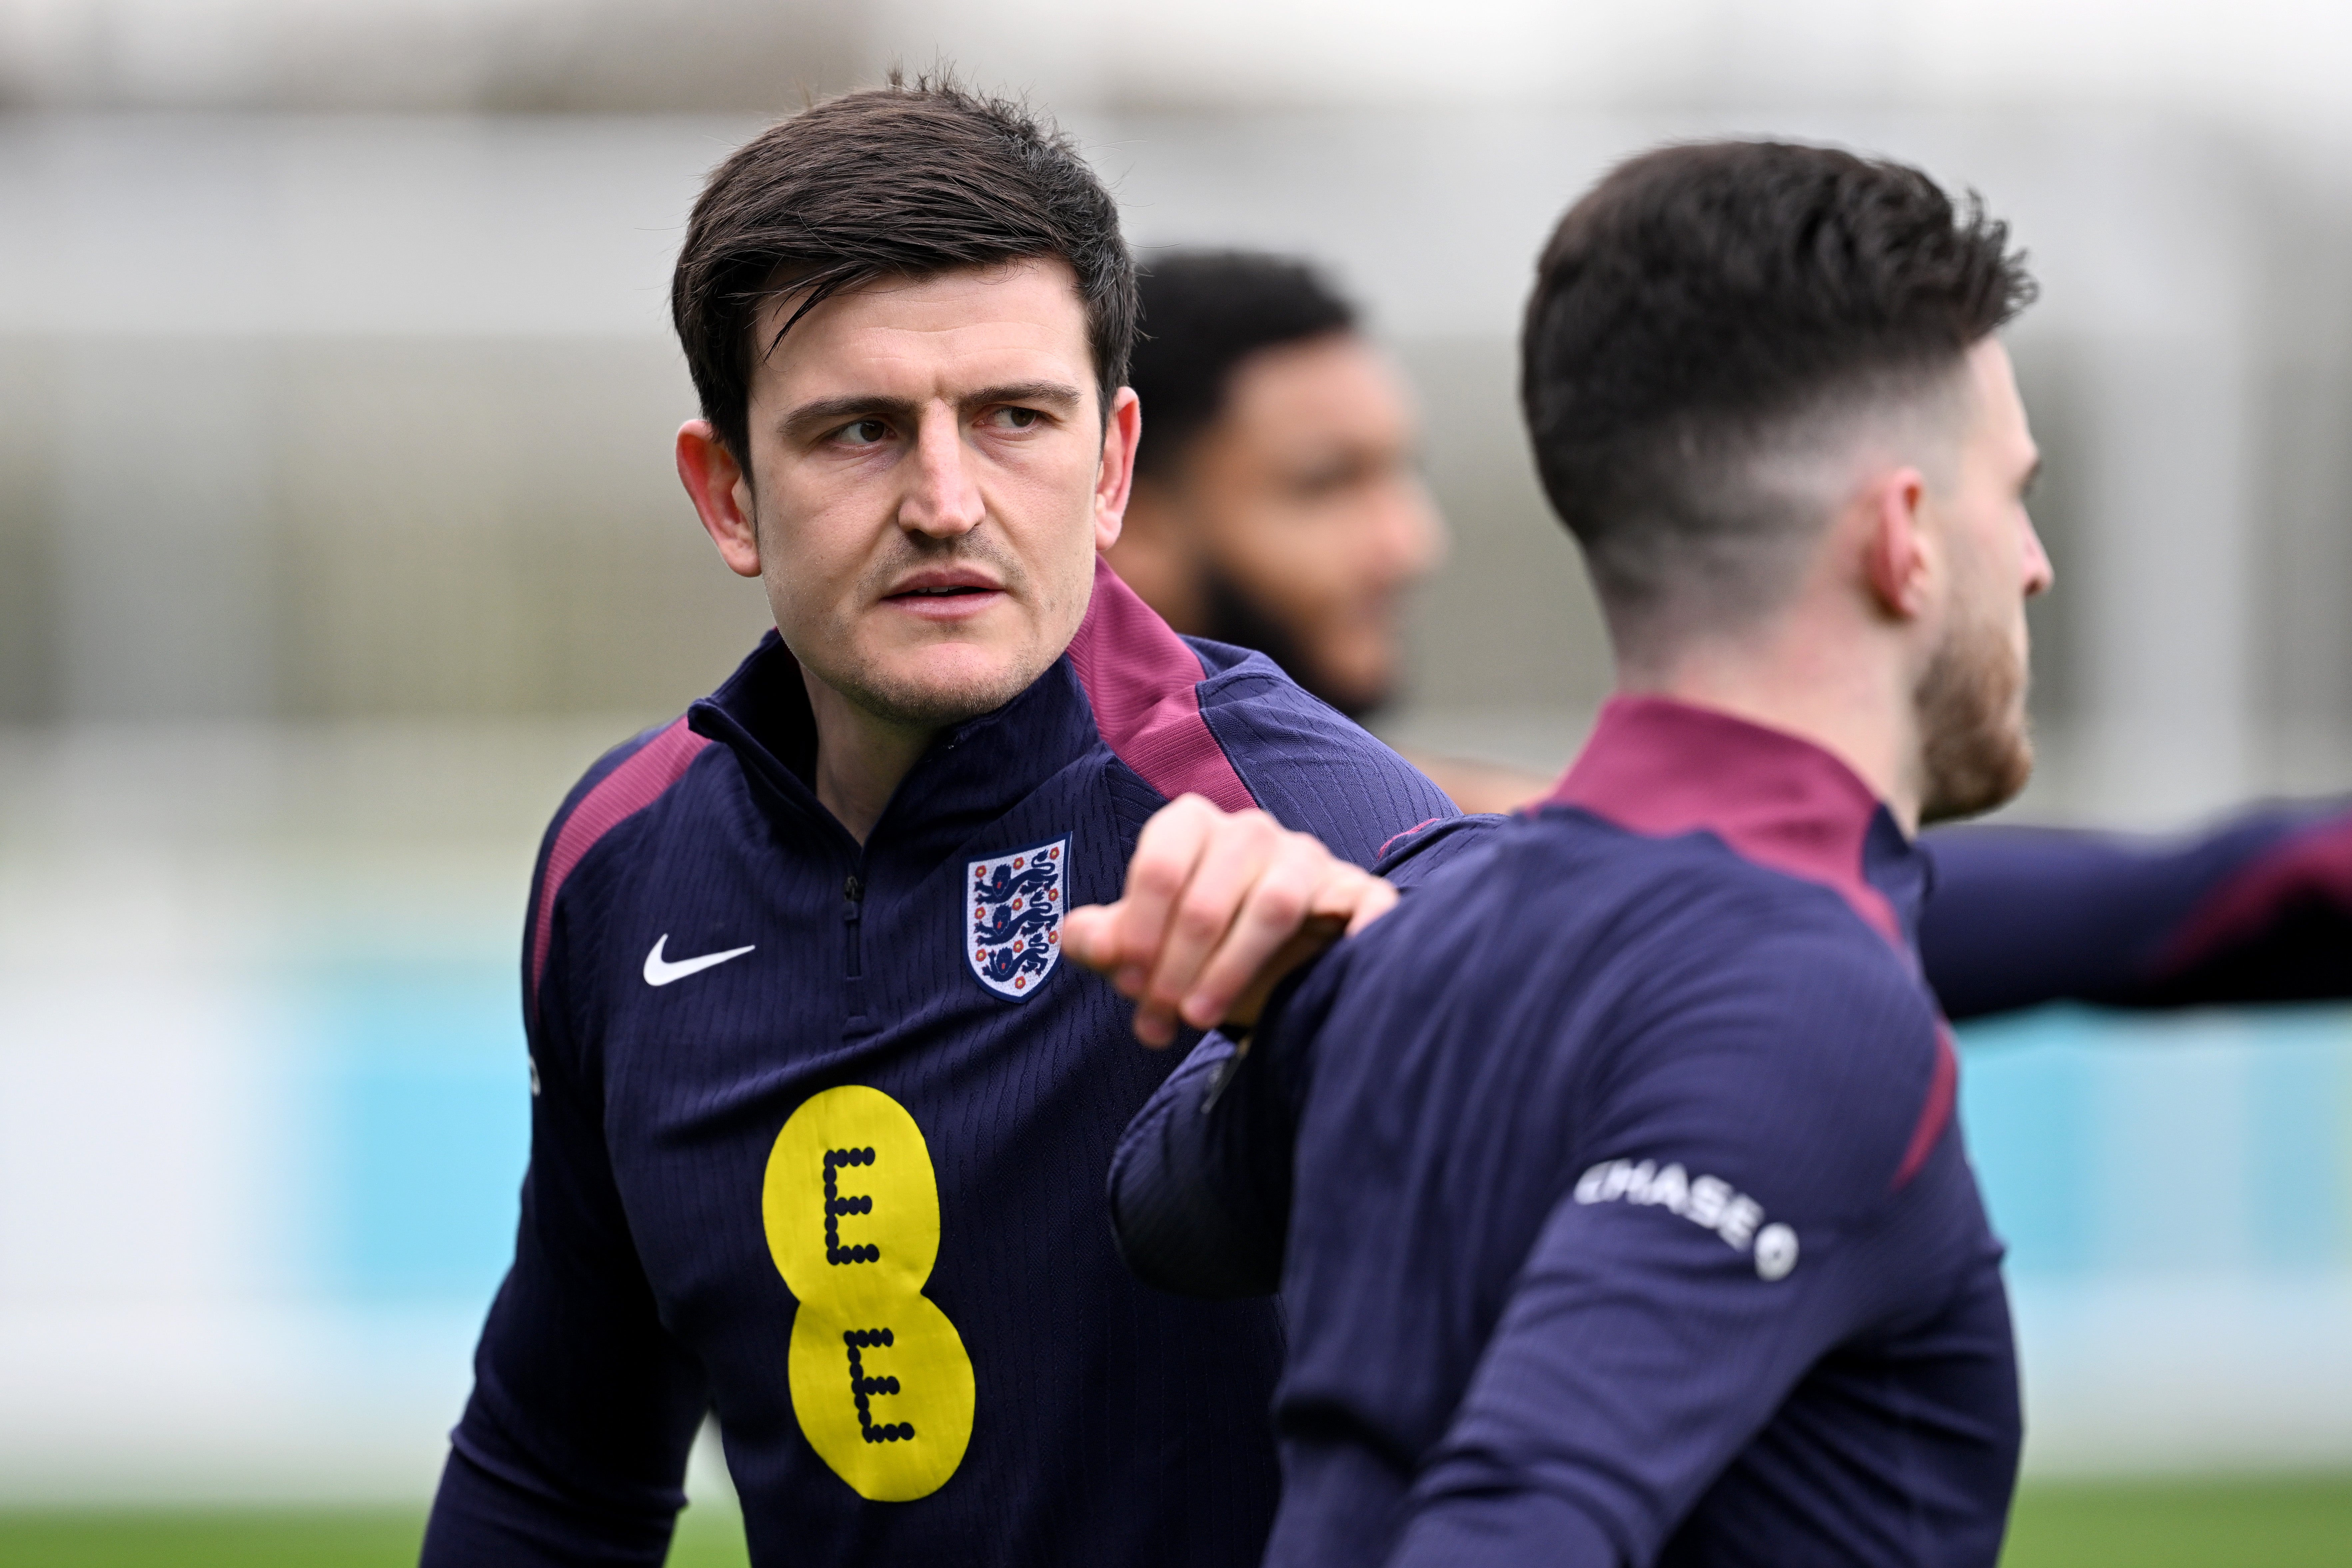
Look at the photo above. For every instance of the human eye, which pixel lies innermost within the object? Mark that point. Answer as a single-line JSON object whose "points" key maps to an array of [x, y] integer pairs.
{"points": [[867, 432], [1011, 416], [1331, 477]]}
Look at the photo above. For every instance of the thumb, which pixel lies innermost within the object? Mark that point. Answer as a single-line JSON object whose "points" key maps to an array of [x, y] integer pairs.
{"points": [[1375, 898]]}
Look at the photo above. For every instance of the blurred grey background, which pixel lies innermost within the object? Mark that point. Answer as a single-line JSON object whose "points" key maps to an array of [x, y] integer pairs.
{"points": [[337, 385], [338, 533]]}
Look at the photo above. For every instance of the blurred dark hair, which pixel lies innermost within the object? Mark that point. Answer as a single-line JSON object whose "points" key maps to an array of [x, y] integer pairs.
{"points": [[1707, 305], [1205, 311], [902, 181]]}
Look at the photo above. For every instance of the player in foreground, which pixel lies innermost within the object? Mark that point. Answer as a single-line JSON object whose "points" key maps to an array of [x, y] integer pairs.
{"points": [[1613, 1181], [1276, 507], [820, 1121]]}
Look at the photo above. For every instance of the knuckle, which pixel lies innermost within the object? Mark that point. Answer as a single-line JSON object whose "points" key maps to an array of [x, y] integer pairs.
{"points": [[1156, 877], [1281, 904], [1246, 825], [1306, 849], [1198, 921], [1180, 815]]}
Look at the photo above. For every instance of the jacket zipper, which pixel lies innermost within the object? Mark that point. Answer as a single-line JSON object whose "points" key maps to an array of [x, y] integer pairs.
{"points": [[853, 912], [853, 915]]}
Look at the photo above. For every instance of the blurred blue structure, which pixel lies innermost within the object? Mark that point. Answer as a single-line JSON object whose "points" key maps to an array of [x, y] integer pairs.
{"points": [[2109, 1146], [425, 1127], [2117, 1145]]}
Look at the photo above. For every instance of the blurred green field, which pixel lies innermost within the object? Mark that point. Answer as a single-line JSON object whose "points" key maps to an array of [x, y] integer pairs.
{"points": [[2276, 1522], [2299, 1521], [707, 1538]]}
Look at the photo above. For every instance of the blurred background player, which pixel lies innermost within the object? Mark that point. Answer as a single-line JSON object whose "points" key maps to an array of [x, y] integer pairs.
{"points": [[1279, 499]]}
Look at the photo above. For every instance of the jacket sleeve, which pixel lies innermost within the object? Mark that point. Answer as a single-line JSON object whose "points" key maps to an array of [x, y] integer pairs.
{"points": [[572, 1448], [1200, 1184], [1730, 1236], [1313, 770], [2258, 909]]}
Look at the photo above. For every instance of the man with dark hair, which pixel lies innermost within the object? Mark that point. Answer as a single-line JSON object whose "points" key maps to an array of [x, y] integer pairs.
{"points": [[1612, 1184], [1277, 505], [819, 1119], [1275, 508]]}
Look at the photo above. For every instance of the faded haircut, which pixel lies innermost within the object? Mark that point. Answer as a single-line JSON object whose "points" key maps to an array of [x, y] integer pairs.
{"points": [[1708, 324]]}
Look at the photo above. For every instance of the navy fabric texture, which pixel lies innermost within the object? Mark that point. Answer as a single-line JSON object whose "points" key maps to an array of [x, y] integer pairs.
{"points": [[1626, 1222], [1108, 1422], [2026, 915]]}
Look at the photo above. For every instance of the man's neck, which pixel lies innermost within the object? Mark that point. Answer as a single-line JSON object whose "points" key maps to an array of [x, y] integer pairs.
{"points": [[860, 758], [1854, 702]]}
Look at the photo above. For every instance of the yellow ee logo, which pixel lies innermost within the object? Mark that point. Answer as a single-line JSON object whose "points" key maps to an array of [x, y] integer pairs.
{"points": [[880, 1380]]}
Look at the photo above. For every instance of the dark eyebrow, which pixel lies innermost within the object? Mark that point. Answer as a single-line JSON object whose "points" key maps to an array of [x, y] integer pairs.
{"points": [[809, 418], [812, 418], [1054, 394]]}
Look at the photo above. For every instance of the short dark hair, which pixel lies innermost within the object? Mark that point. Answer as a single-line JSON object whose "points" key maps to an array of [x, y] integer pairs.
{"points": [[1701, 301], [905, 180], [1205, 311]]}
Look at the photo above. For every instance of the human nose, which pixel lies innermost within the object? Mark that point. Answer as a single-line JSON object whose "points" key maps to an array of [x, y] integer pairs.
{"points": [[1414, 538], [2039, 573], [942, 498]]}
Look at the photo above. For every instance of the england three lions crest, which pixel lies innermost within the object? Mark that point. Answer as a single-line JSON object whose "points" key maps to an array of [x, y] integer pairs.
{"points": [[1012, 922]]}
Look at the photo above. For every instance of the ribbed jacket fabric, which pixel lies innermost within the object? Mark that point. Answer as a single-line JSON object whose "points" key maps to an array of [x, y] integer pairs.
{"points": [[842, 1187], [1614, 1188]]}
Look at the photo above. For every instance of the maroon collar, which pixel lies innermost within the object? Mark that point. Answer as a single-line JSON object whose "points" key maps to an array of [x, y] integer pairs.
{"points": [[1661, 768]]}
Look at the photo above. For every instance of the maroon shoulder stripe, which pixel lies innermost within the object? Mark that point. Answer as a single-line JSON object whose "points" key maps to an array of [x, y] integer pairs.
{"points": [[619, 795], [2315, 864], [1142, 680], [1393, 840], [1943, 1088]]}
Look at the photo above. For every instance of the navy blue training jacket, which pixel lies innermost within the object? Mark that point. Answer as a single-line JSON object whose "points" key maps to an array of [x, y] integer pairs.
{"points": [[1107, 1421], [819, 1135], [1628, 1220], [2257, 908]]}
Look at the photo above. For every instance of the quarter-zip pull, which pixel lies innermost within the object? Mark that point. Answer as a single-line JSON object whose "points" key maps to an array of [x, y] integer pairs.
{"points": [[853, 914]]}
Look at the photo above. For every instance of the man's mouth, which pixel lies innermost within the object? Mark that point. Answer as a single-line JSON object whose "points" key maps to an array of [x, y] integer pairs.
{"points": [[949, 591]]}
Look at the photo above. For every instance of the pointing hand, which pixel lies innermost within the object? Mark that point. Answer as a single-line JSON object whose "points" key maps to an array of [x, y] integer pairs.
{"points": [[1219, 906]]}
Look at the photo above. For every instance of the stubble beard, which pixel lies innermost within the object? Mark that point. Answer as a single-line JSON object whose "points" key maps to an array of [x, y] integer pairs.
{"points": [[1978, 748], [873, 685], [1235, 616]]}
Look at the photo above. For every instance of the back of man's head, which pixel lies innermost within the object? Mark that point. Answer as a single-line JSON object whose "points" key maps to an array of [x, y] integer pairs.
{"points": [[1205, 312], [909, 180], [1711, 326]]}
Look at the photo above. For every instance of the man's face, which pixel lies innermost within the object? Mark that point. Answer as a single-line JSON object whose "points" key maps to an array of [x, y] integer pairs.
{"points": [[927, 481], [1308, 508], [1972, 698]]}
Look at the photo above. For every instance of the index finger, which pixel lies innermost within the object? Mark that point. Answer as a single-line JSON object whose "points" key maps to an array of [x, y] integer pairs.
{"points": [[1166, 852]]}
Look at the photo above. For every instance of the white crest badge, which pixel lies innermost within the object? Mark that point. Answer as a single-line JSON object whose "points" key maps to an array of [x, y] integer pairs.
{"points": [[1012, 918]]}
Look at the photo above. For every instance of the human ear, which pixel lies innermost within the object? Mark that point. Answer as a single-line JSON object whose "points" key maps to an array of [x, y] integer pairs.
{"points": [[722, 495], [1897, 560], [1114, 474]]}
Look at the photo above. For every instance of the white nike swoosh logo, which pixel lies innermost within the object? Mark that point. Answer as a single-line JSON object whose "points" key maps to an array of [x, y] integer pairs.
{"points": [[660, 971]]}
